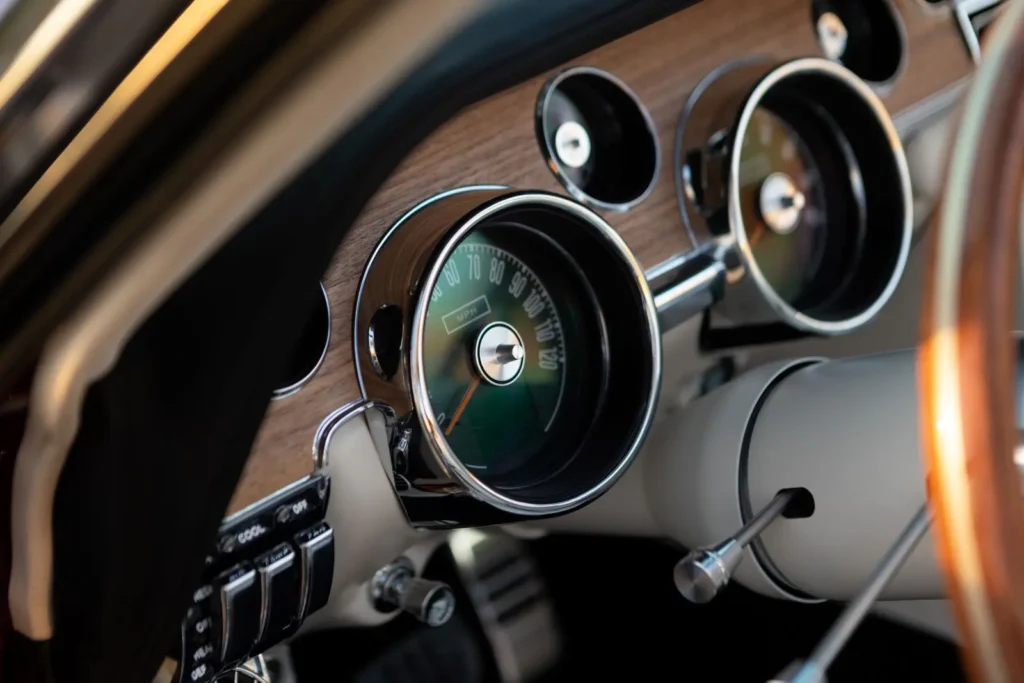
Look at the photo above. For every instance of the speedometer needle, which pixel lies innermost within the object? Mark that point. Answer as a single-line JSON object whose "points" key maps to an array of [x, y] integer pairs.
{"points": [[462, 405]]}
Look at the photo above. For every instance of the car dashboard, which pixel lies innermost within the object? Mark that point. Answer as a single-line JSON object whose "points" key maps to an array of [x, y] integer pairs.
{"points": [[540, 244]]}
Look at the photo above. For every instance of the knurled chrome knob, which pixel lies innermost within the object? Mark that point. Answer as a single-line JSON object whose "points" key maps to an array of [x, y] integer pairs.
{"points": [[396, 586]]}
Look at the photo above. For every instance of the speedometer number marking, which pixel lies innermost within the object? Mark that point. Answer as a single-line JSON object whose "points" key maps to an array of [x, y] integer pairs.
{"points": [[548, 359], [497, 271], [533, 304], [518, 285], [451, 274], [545, 331], [474, 266]]}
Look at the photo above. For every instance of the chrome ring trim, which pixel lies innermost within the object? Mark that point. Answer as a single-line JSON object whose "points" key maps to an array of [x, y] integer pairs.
{"points": [[421, 399], [757, 548], [677, 150], [779, 306], [886, 86], [376, 250], [333, 422], [285, 392], [550, 156]]}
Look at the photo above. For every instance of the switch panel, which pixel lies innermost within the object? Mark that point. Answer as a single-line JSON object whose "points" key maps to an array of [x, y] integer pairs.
{"points": [[272, 564]]}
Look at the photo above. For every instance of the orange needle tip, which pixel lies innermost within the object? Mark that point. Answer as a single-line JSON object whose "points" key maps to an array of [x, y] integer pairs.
{"points": [[462, 405]]}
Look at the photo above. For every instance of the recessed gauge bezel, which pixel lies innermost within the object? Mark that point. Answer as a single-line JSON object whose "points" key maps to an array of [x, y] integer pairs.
{"points": [[434, 484], [875, 41], [311, 349], [876, 181], [621, 160]]}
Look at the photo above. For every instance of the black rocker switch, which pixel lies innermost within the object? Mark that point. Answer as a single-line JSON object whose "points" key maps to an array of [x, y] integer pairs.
{"points": [[237, 604], [278, 572], [316, 555]]}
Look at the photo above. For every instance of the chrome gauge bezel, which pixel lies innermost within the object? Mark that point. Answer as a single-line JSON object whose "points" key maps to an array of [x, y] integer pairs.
{"points": [[710, 130], [425, 410], [787, 312], [418, 434]]}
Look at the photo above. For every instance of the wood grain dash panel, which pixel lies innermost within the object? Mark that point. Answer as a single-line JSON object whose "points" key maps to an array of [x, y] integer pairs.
{"points": [[494, 142]]}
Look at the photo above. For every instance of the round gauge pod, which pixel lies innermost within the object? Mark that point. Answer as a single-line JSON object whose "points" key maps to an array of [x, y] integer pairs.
{"points": [[597, 138], [311, 348], [797, 175], [865, 36], [529, 361]]}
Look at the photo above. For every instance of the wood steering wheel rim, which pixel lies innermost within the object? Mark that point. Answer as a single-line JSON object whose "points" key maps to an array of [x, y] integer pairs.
{"points": [[967, 363]]}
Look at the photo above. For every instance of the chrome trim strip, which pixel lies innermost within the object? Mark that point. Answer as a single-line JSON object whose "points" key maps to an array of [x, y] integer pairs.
{"points": [[682, 300], [964, 9], [333, 422]]}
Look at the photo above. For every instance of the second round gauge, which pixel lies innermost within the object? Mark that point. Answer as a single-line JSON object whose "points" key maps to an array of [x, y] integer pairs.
{"points": [[512, 353]]}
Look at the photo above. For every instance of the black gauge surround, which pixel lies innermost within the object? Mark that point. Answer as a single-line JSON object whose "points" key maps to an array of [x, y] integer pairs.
{"points": [[530, 355], [796, 175]]}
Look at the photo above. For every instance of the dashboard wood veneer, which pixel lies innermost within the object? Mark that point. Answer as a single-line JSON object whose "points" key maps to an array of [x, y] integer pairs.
{"points": [[494, 142]]}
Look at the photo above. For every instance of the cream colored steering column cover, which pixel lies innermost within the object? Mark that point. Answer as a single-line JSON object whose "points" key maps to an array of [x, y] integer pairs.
{"points": [[845, 430]]}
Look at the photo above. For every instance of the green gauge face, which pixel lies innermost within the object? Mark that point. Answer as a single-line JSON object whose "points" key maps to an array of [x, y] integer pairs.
{"points": [[507, 344], [802, 226], [787, 259]]}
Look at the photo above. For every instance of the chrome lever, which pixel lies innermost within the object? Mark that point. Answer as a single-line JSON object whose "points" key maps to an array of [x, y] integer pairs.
{"points": [[685, 287], [813, 669], [705, 571]]}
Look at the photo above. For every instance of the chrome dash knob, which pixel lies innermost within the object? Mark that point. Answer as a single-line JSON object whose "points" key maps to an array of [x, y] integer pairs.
{"points": [[396, 586], [431, 602], [705, 571]]}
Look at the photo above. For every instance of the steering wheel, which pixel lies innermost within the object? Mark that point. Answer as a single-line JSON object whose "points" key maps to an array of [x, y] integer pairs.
{"points": [[968, 364]]}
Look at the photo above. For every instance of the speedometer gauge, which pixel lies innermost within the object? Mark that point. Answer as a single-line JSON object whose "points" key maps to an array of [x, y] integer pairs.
{"points": [[515, 339], [503, 335]]}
